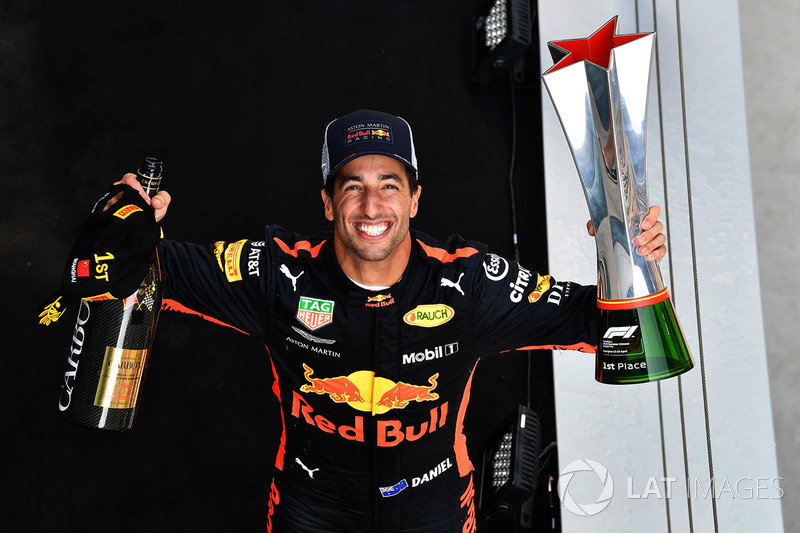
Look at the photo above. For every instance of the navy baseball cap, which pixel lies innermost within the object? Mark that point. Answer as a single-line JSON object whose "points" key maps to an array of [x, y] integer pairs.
{"points": [[366, 132]]}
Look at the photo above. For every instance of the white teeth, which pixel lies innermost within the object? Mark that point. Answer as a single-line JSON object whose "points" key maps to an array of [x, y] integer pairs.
{"points": [[373, 231]]}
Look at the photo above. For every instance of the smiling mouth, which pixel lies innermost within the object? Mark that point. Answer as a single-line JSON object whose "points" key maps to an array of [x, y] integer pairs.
{"points": [[373, 230]]}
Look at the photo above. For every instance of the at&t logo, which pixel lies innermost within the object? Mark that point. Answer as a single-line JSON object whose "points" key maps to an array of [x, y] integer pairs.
{"points": [[585, 509]]}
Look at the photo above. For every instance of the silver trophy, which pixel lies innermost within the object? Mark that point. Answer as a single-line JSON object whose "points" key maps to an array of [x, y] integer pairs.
{"points": [[600, 87]]}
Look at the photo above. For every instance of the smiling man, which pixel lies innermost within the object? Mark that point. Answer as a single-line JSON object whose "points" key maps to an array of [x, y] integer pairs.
{"points": [[371, 205], [374, 332]]}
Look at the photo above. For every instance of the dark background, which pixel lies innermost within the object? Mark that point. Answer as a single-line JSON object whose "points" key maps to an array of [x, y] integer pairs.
{"points": [[234, 99]]}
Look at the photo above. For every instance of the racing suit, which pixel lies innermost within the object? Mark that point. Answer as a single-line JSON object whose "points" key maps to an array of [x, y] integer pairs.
{"points": [[374, 385]]}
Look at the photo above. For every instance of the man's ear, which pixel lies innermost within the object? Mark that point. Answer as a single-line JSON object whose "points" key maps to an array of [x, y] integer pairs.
{"points": [[328, 203], [415, 202]]}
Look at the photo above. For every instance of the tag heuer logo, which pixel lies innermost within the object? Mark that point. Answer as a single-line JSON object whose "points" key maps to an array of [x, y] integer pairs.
{"points": [[429, 315], [314, 313]]}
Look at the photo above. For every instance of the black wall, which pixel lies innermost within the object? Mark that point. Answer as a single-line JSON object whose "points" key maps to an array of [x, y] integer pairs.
{"points": [[234, 98]]}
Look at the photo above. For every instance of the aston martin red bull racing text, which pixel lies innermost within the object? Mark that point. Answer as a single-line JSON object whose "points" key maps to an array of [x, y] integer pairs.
{"points": [[374, 384]]}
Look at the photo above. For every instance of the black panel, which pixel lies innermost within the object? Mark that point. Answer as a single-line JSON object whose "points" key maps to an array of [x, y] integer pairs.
{"points": [[234, 99]]}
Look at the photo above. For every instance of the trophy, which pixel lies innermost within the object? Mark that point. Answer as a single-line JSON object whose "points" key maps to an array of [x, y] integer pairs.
{"points": [[599, 87]]}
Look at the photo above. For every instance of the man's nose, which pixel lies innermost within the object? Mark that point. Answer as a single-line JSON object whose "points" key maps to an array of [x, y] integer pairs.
{"points": [[371, 202]]}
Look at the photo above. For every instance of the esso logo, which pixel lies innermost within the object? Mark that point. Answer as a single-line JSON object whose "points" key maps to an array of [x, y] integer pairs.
{"points": [[496, 267]]}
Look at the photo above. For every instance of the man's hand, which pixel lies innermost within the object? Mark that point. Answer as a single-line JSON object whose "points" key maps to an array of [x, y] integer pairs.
{"points": [[651, 240], [159, 202]]}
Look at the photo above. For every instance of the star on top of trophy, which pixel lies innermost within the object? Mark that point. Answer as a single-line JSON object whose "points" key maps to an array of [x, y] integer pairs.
{"points": [[595, 49]]}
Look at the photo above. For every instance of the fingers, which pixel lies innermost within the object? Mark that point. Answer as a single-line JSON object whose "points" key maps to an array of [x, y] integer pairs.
{"points": [[651, 240], [654, 249], [127, 179], [651, 218], [159, 202], [132, 180]]}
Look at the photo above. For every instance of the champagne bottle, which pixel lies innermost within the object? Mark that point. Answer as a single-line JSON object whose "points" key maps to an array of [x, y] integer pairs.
{"points": [[111, 345]]}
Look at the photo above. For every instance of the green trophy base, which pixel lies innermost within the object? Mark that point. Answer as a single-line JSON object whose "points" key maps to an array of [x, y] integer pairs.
{"points": [[641, 344]]}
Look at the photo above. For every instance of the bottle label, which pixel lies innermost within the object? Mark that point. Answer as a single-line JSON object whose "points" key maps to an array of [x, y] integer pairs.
{"points": [[120, 378], [150, 184]]}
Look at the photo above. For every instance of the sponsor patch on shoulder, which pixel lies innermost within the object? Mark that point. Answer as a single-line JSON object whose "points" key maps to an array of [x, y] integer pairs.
{"points": [[233, 254], [542, 285], [496, 267]]}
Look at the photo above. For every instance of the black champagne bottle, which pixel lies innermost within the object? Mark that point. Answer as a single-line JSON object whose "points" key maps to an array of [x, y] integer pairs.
{"points": [[111, 345]]}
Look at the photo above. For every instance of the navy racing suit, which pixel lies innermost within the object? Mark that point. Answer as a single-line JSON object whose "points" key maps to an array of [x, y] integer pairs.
{"points": [[374, 385]]}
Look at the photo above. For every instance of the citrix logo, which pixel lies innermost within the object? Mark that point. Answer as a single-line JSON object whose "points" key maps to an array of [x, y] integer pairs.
{"points": [[519, 286], [626, 332]]}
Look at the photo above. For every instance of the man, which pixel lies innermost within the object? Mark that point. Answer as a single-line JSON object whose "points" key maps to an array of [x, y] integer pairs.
{"points": [[373, 333]]}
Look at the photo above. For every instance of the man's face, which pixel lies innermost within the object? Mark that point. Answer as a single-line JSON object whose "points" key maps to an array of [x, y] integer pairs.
{"points": [[371, 207]]}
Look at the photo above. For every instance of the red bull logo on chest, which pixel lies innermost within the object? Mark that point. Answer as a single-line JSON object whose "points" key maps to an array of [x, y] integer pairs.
{"points": [[314, 313], [365, 391], [388, 433]]}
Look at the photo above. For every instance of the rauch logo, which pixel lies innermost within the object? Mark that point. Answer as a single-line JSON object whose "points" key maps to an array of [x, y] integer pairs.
{"points": [[429, 315]]}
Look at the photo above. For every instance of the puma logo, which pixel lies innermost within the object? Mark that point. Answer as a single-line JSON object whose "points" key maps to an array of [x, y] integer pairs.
{"points": [[285, 272], [454, 284], [298, 461]]}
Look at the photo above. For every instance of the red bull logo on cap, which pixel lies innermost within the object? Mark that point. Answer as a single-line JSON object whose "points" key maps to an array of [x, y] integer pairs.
{"points": [[368, 131]]}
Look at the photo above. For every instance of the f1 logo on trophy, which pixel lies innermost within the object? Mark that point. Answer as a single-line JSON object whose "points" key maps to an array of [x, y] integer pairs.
{"points": [[599, 87]]}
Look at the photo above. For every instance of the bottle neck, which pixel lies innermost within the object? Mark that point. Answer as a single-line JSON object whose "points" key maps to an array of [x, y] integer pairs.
{"points": [[149, 175]]}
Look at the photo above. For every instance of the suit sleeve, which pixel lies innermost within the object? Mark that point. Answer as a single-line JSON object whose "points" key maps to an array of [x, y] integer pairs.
{"points": [[224, 283], [516, 308]]}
